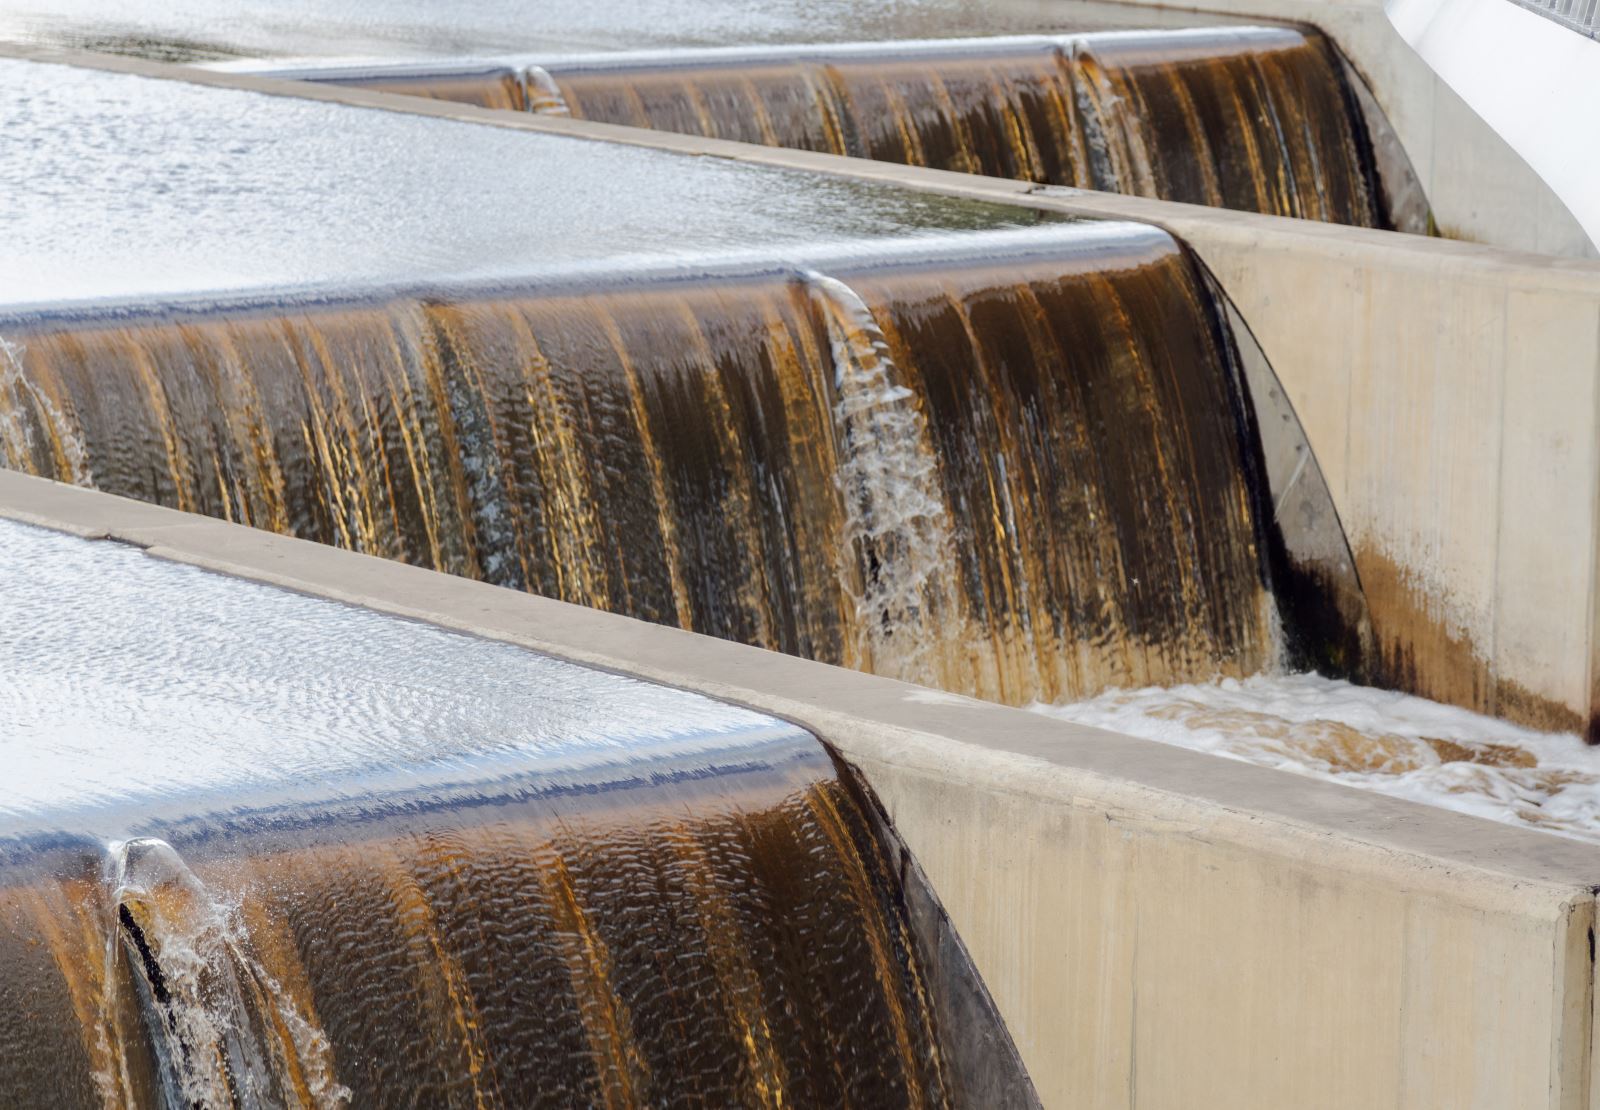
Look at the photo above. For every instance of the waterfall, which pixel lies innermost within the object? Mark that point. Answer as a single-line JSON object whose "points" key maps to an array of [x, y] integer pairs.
{"points": [[1261, 119], [1028, 441]]}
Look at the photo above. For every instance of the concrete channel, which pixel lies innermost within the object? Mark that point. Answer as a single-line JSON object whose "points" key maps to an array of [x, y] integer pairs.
{"points": [[1475, 543], [1159, 927]]}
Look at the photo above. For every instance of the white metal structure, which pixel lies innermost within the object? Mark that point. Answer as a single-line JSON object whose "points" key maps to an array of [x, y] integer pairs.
{"points": [[1531, 69]]}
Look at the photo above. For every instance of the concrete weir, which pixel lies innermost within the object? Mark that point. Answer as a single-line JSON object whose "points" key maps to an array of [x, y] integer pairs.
{"points": [[1463, 457], [1158, 927]]}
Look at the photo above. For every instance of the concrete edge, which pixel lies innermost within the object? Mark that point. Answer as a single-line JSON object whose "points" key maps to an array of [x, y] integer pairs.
{"points": [[1518, 268], [873, 720]]}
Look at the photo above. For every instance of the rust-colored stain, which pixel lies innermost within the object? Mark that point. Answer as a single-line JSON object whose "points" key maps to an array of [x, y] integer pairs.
{"points": [[1418, 654]]}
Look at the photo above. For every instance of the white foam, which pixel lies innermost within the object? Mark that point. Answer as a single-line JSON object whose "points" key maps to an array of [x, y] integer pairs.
{"points": [[897, 552], [1374, 739]]}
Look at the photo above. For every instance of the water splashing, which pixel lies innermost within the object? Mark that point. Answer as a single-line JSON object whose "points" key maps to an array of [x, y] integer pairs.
{"points": [[18, 445], [898, 553], [224, 1031], [541, 92]]}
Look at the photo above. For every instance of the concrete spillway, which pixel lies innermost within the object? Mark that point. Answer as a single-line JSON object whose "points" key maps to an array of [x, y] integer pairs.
{"points": [[1023, 466], [257, 848], [950, 427]]}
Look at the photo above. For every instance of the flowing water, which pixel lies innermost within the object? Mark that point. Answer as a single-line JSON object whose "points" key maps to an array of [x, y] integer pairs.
{"points": [[1380, 740], [1020, 465], [1251, 118], [1264, 119], [186, 30], [124, 188], [263, 849]]}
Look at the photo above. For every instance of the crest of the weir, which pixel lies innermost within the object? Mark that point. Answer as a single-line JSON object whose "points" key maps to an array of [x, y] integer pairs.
{"points": [[1264, 119], [1023, 466]]}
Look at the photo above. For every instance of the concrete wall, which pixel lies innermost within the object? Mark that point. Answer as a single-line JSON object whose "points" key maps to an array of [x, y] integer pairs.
{"points": [[1161, 928], [1480, 188]]}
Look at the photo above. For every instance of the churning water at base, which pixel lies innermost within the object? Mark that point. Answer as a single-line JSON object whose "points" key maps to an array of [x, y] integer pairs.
{"points": [[1393, 743], [263, 849]]}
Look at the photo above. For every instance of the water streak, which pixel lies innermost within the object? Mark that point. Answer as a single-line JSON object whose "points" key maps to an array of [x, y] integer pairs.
{"points": [[897, 527], [224, 1031]]}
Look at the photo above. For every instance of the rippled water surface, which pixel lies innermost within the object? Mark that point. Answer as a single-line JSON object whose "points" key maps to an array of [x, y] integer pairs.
{"points": [[125, 678], [120, 186], [199, 28]]}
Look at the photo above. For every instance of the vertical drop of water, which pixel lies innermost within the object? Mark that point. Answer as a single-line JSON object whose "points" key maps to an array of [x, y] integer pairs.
{"points": [[897, 559], [221, 1030], [541, 93], [17, 443], [1113, 129]]}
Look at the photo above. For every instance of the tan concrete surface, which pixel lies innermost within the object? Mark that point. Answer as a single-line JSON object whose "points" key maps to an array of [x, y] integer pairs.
{"points": [[1161, 928]]}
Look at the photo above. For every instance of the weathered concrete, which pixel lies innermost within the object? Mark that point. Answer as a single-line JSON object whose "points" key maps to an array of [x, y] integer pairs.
{"points": [[1161, 928], [1450, 391]]}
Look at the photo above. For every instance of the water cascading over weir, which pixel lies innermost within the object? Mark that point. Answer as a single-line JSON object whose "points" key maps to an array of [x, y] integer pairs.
{"points": [[427, 869], [1263, 119], [1021, 465]]}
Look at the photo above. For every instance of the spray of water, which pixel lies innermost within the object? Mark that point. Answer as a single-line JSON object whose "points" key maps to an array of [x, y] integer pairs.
{"points": [[17, 443], [224, 1031], [898, 556], [542, 94]]}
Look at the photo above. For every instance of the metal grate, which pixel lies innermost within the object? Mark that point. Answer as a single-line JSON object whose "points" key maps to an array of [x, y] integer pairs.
{"points": [[1582, 16]]}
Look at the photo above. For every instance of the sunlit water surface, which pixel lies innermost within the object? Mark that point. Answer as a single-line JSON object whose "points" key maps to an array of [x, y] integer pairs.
{"points": [[186, 29], [127, 680], [127, 187]]}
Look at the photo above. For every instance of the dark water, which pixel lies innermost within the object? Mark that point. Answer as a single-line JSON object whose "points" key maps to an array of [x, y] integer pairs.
{"points": [[1018, 465], [261, 849], [732, 937], [1251, 118]]}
